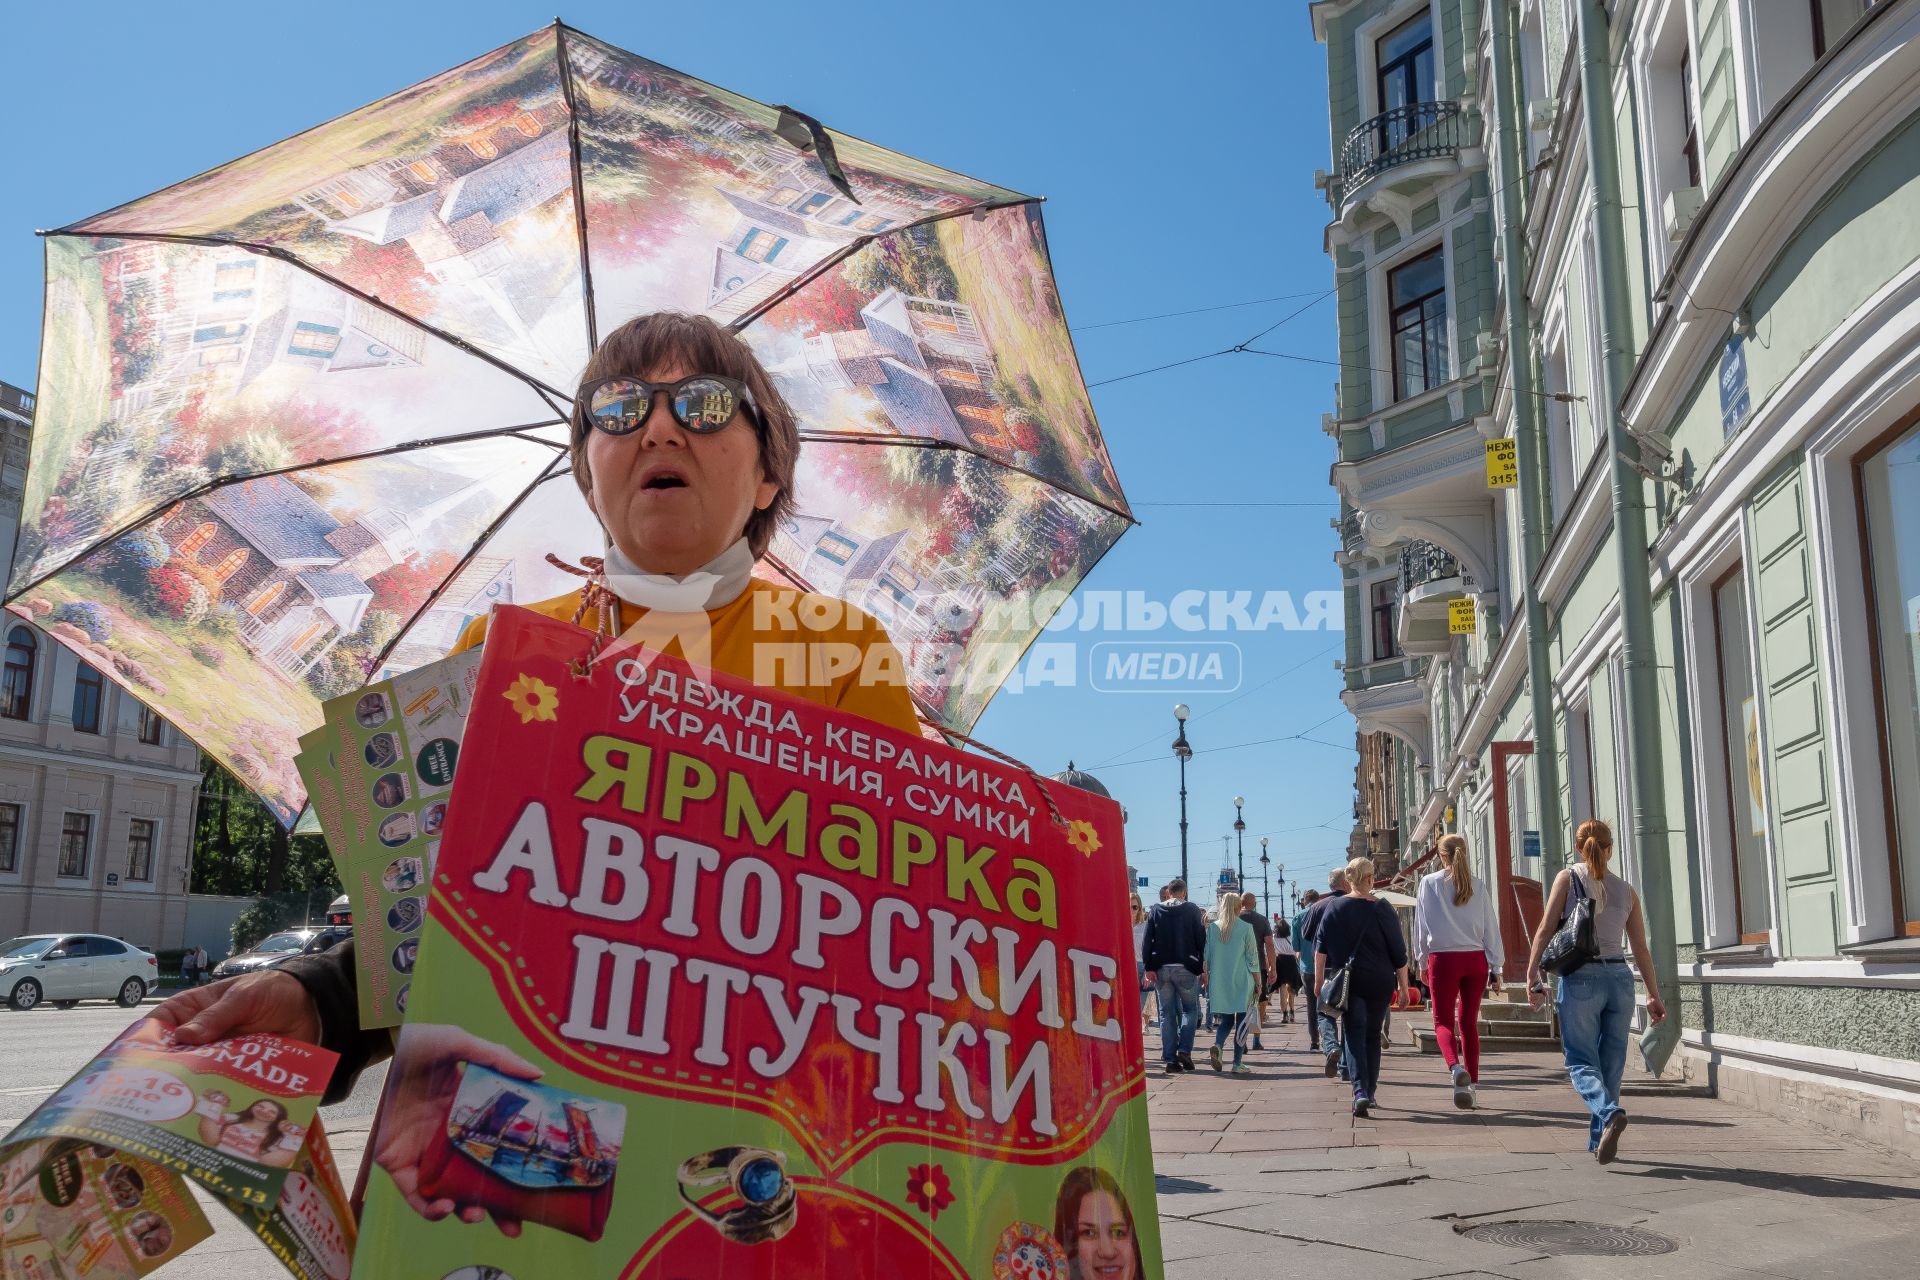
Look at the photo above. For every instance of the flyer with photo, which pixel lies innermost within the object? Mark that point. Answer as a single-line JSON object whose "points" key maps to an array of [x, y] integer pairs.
{"points": [[311, 1230], [71, 1208], [232, 1115], [380, 781], [720, 983]]}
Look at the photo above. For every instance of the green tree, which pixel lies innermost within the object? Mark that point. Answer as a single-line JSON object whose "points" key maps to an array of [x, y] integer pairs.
{"points": [[240, 848]]}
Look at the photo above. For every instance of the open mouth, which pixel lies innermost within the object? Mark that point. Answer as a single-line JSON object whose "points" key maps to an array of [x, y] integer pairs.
{"points": [[662, 480]]}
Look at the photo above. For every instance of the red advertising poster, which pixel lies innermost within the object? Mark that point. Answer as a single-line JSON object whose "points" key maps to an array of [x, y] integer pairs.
{"points": [[717, 983]]}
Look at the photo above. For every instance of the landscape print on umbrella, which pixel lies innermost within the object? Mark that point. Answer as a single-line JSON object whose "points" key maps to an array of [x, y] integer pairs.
{"points": [[696, 201], [451, 201], [302, 419]]}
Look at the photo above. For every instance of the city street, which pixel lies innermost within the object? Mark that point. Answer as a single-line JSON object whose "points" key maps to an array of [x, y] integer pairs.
{"points": [[1268, 1175]]}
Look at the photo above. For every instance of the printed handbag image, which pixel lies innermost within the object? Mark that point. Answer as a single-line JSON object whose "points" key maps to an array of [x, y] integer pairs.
{"points": [[523, 1150]]}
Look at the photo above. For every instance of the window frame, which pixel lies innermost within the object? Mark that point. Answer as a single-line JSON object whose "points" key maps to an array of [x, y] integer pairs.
{"points": [[1903, 925], [23, 687], [86, 852], [10, 851], [1418, 305], [1747, 937], [153, 847], [153, 726], [1383, 71], [89, 679], [1391, 607]]}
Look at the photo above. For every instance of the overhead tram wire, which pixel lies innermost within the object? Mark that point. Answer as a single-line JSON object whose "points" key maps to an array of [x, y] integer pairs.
{"points": [[1117, 756], [1225, 351], [1174, 315]]}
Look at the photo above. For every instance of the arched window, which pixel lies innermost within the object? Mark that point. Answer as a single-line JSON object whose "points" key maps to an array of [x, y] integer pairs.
{"points": [[16, 682], [230, 563], [190, 545], [262, 602]]}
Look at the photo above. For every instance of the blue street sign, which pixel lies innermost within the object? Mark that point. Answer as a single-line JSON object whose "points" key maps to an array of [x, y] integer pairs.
{"points": [[1529, 844], [1143, 882], [1735, 403]]}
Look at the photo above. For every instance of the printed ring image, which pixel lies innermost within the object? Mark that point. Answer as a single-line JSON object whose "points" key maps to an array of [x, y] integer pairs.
{"points": [[383, 750], [768, 1204], [372, 710]]}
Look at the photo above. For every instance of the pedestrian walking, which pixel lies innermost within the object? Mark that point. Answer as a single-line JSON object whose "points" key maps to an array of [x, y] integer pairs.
{"points": [[1263, 947], [1361, 933], [1233, 981], [1456, 943], [1140, 956], [1330, 1026], [1304, 945], [190, 967], [1286, 967], [1174, 953], [200, 966], [1595, 1001]]}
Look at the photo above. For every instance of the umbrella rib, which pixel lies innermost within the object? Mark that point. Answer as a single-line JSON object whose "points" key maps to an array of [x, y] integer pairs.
{"points": [[223, 482], [833, 260], [379, 660], [579, 188], [279, 254]]}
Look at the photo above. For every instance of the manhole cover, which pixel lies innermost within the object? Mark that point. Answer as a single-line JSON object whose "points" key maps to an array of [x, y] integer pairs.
{"points": [[1585, 1239]]}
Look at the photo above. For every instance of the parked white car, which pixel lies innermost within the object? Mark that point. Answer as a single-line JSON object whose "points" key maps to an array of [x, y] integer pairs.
{"points": [[67, 968]]}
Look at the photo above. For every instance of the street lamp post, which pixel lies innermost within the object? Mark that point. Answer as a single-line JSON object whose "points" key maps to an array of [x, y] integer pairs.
{"points": [[1266, 899], [1183, 753], [1240, 833]]}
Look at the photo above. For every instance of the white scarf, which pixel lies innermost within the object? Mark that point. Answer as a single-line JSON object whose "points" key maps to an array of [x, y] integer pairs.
{"points": [[713, 585]]}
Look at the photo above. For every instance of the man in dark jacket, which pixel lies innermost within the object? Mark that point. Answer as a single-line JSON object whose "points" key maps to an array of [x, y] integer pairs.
{"points": [[1175, 956], [1310, 937]]}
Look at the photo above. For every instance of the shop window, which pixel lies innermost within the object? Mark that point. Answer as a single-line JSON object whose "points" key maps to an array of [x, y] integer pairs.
{"points": [[1888, 480], [1744, 802]]}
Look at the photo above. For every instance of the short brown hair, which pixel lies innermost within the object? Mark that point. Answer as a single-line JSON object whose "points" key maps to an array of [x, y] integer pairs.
{"points": [[645, 344]]}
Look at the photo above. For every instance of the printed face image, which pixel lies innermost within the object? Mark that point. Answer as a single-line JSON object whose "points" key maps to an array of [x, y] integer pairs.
{"points": [[1103, 1244]]}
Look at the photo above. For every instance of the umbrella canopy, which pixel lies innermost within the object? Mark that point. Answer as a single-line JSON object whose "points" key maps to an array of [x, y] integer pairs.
{"points": [[302, 417]]}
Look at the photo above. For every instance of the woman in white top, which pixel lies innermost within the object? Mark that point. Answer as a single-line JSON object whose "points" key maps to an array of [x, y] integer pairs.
{"points": [[1456, 942]]}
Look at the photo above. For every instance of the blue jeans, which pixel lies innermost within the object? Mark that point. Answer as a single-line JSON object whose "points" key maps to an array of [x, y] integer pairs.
{"points": [[1364, 1025], [1179, 991], [1595, 1004], [1237, 1025]]}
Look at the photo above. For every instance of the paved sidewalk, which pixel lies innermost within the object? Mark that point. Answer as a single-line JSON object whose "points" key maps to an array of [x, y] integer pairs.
{"points": [[1270, 1175]]}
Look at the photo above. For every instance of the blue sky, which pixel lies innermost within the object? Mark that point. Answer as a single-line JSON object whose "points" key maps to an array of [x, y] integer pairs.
{"points": [[1176, 145]]}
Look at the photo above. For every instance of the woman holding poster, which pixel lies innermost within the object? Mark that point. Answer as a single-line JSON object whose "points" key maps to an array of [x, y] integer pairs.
{"points": [[686, 452]]}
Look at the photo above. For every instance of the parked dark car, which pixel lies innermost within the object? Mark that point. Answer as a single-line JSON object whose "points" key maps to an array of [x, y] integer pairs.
{"points": [[282, 946]]}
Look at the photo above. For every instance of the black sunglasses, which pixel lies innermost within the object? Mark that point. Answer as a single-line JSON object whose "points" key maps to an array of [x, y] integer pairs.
{"points": [[703, 403]]}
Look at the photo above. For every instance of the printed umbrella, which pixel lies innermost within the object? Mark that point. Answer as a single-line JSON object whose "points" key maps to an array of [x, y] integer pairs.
{"points": [[300, 418]]}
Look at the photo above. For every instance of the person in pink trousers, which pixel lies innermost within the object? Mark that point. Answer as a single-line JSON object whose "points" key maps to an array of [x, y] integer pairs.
{"points": [[1456, 942]]}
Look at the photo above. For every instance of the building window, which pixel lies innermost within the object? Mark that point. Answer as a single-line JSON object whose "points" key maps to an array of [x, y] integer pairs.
{"points": [[191, 545], [89, 690], [818, 200], [1405, 76], [230, 563], [424, 171], [1832, 19], [268, 594], [220, 332], [1384, 607], [761, 246], [528, 124], [9, 838], [1689, 124], [783, 196], [16, 685], [310, 339], [150, 725], [482, 148], [836, 547], [140, 834], [1745, 813], [1417, 305], [76, 844], [1888, 480]]}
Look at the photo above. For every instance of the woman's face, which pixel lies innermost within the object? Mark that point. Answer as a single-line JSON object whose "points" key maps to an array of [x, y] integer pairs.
{"points": [[1103, 1243], [673, 499], [264, 1112]]}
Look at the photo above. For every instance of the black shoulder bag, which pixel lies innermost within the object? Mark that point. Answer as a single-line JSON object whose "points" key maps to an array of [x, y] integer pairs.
{"points": [[1575, 942]]}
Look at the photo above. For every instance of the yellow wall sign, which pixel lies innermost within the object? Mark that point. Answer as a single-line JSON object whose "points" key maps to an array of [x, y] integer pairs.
{"points": [[1503, 464], [1460, 616]]}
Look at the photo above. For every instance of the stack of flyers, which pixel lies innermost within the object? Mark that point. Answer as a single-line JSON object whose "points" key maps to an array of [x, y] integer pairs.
{"points": [[95, 1182], [379, 774]]}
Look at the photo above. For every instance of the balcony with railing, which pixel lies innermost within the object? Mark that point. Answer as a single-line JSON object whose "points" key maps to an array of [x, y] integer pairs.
{"points": [[1429, 579], [1403, 137]]}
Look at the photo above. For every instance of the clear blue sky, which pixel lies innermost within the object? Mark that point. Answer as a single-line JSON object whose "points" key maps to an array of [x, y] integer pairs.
{"points": [[1175, 143]]}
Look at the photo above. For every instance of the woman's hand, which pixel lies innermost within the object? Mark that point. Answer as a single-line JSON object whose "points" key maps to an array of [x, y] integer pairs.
{"points": [[1656, 1010], [265, 1002], [1536, 989], [425, 1077]]}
